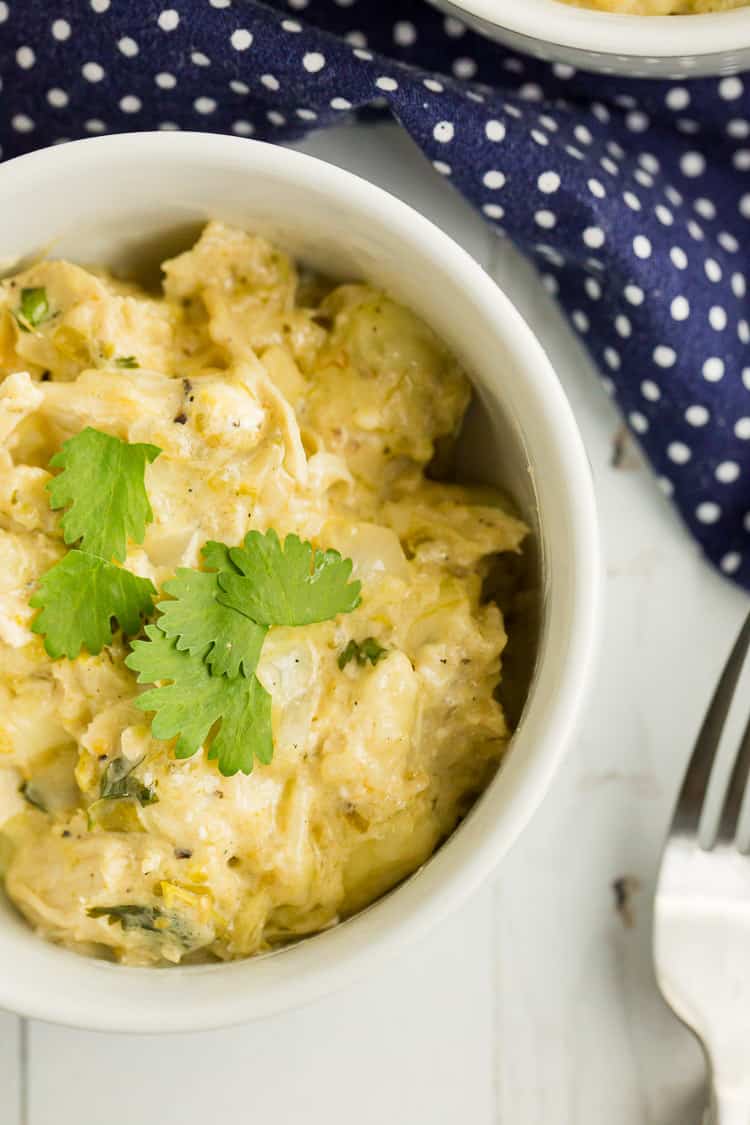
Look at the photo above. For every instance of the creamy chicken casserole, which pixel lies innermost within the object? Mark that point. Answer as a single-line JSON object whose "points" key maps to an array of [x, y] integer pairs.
{"points": [[659, 7], [292, 733]]}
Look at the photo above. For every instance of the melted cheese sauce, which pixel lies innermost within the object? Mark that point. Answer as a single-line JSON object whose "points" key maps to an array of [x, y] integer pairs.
{"points": [[278, 403]]}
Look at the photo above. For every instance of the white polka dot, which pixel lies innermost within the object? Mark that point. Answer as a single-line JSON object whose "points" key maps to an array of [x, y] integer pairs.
{"points": [[593, 288], [540, 137], [678, 452], [436, 87], [441, 167], [713, 270], [548, 182], [275, 117], [746, 522], [641, 246], [386, 83], [57, 98], [453, 27], [548, 122], [746, 377], [531, 92], [612, 358], [742, 429], [596, 188], [649, 162], [306, 114], [574, 152], [443, 132], [580, 320], [678, 257], [582, 135], [638, 421], [708, 512], [269, 81], [22, 123], [242, 128], [551, 284], [199, 59], [128, 47], [739, 285], [727, 472], [404, 33], [241, 39], [705, 208], [677, 98], [697, 415], [100, 6], [664, 215], [356, 39], [741, 159], [632, 201], [738, 128], [665, 485], [493, 211], [609, 166], [688, 126], [743, 331], [220, 3], [239, 87], [664, 356], [563, 71], [365, 56], [616, 150], [204, 105], [168, 19], [650, 390], [25, 57], [728, 242], [680, 308], [165, 81], [168, 126], [713, 369], [340, 103], [493, 179], [730, 89], [61, 30], [673, 195], [313, 61], [643, 177], [130, 103], [745, 206], [637, 122], [92, 72], [623, 326], [464, 68], [634, 295], [593, 237], [717, 318], [692, 164], [695, 230], [94, 125], [731, 562]]}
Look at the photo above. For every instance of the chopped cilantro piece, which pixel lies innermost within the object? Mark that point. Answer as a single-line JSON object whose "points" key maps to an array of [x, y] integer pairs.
{"points": [[362, 651], [128, 361], [33, 310], [78, 598], [102, 485], [118, 781]]}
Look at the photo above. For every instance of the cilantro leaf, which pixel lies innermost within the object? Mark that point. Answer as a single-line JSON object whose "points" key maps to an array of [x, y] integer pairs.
{"points": [[33, 310], [118, 781], [102, 480], [362, 651], [230, 642], [127, 361], [195, 700], [287, 584], [79, 596]]}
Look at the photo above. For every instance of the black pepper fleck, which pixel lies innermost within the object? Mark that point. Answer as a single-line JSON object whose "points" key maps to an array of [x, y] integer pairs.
{"points": [[180, 418]]}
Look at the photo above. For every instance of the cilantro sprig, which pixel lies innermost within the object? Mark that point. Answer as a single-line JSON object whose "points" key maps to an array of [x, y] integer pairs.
{"points": [[203, 650], [103, 490]]}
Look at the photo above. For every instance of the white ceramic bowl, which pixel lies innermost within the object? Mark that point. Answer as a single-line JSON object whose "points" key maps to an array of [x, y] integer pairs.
{"points": [[125, 201], [637, 46]]}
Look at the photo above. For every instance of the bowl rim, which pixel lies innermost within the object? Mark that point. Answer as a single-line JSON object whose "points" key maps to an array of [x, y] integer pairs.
{"points": [[90, 994], [550, 21]]}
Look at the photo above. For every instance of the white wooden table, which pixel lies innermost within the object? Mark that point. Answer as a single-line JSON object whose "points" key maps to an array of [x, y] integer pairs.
{"points": [[534, 1005]]}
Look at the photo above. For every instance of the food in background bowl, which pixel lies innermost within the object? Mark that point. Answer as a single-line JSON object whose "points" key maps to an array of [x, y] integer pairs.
{"points": [[240, 463], [659, 7]]}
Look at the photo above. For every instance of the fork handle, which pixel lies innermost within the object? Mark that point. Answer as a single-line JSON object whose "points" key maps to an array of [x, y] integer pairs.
{"points": [[730, 1108]]}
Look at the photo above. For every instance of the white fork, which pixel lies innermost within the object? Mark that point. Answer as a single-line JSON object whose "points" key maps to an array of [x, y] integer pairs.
{"points": [[702, 913]]}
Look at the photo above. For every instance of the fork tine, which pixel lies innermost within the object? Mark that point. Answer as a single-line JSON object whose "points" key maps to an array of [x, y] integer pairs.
{"points": [[690, 801], [736, 792]]}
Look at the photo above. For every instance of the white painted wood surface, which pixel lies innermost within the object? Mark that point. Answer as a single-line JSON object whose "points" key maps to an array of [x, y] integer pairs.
{"points": [[535, 1004]]}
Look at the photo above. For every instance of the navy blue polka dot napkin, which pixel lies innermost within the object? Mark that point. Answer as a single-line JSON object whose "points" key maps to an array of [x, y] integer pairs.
{"points": [[632, 196]]}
